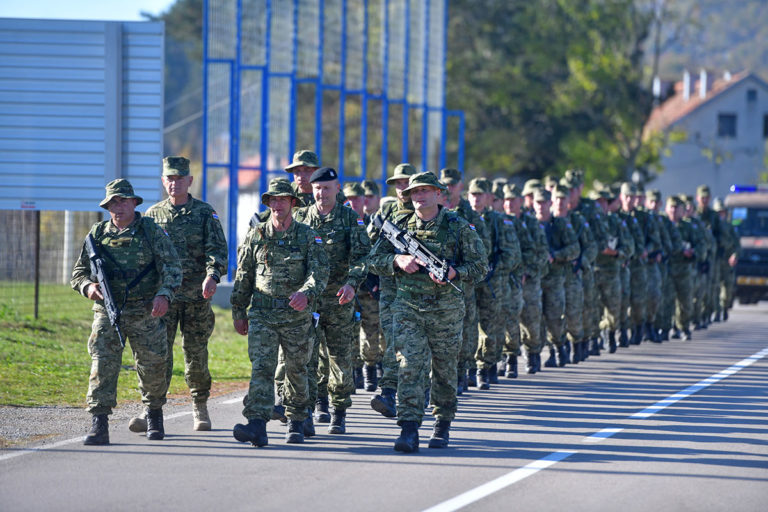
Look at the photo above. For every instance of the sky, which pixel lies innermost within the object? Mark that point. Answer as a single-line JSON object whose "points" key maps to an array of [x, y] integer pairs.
{"points": [[123, 10]]}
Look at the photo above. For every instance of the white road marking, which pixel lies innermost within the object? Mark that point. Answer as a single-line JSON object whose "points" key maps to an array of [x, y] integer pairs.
{"points": [[25, 451], [233, 401], [478, 493], [482, 491]]}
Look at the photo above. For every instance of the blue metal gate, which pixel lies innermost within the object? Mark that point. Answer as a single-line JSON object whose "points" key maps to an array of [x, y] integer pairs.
{"points": [[339, 77]]}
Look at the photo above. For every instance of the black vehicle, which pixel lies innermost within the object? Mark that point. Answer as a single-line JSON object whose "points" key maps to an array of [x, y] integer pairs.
{"points": [[748, 212]]}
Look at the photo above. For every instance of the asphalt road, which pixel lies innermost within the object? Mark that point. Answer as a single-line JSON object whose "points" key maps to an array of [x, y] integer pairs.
{"points": [[673, 427]]}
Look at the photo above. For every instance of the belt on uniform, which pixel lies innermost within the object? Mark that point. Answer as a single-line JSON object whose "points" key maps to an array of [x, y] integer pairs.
{"points": [[264, 301], [421, 297]]}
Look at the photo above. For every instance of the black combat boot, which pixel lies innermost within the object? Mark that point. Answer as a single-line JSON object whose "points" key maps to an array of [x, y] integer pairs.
{"points": [[384, 403], [725, 315], [501, 367], [321, 410], [427, 395], [99, 433], [309, 425], [379, 370], [562, 356], [611, 341], [483, 382], [338, 424], [278, 411], [357, 377], [440, 434], [664, 336], [511, 366], [637, 335], [295, 432], [687, 336], [530, 363], [408, 442], [551, 362], [255, 432], [623, 340], [471, 378], [675, 334], [594, 349], [371, 380], [493, 374], [717, 317], [575, 355], [536, 362], [461, 383], [155, 431]]}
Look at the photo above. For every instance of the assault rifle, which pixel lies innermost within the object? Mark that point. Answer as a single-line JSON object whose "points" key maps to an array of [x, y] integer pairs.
{"points": [[97, 270], [406, 242]]}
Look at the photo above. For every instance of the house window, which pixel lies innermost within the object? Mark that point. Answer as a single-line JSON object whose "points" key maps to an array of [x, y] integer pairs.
{"points": [[726, 125], [751, 95]]}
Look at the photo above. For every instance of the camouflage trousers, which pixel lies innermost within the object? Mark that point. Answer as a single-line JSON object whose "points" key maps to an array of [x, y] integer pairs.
{"points": [[146, 336], [268, 333], [574, 305], [389, 363], [608, 288], [638, 293], [490, 302], [624, 279], [196, 321], [592, 310], [553, 306], [512, 308], [312, 370], [699, 295], [681, 278], [653, 290], [336, 330], [427, 339], [469, 333], [727, 282], [530, 315], [714, 287], [666, 312], [371, 338]]}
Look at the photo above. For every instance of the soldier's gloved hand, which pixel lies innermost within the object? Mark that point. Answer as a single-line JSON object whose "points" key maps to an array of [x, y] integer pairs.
{"points": [[159, 306], [241, 326], [94, 292], [298, 301], [451, 275], [408, 263], [345, 294], [209, 287]]}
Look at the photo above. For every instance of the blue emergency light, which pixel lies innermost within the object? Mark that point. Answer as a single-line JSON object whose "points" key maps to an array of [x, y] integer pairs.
{"points": [[736, 189]]}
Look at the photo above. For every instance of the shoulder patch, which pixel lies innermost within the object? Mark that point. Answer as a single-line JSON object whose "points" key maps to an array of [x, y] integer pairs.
{"points": [[624, 223], [215, 215], [472, 227], [360, 222], [508, 222], [318, 240], [586, 223]]}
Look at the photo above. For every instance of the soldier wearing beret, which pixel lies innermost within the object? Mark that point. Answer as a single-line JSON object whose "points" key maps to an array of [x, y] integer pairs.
{"points": [[345, 240], [195, 230], [143, 273], [428, 313], [281, 269]]}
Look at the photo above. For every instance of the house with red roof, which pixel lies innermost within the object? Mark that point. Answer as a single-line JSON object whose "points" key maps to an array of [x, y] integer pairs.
{"points": [[718, 129]]}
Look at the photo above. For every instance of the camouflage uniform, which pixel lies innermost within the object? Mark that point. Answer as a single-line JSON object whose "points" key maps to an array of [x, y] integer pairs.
{"points": [[346, 242], [592, 312], [127, 252], [196, 233], [271, 266], [574, 285], [665, 314], [711, 220], [527, 267], [730, 245], [682, 272], [429, 316], [608, 270], [538, 264]]}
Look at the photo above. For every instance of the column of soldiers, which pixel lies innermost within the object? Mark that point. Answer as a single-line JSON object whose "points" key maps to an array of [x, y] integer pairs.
{"points": [[329, 303]]}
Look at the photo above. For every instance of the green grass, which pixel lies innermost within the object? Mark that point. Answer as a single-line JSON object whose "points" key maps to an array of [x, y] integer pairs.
{"points": [[46, 361]]}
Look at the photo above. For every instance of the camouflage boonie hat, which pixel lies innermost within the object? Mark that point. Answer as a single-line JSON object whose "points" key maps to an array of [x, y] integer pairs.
{"points": [[628, 189], [596, 194], [403, 171], [575, 177], [423, 179], [685, 198], [353, 189], [119, 188], [550, 181], [480, 186], [371, 188], [450, 176], [175, 166], [653, 194], [718, 205], [303, 158], [560, 191], [531, 186], [278, 187], [703, 191], [511, 191], [674, 201], [541, 195], [566, 184]]}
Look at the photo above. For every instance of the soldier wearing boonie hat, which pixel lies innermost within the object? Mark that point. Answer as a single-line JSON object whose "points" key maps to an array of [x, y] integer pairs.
{"points": [[355, 194], [372, 196], [198, 237], [712, 223], [143, 272]]}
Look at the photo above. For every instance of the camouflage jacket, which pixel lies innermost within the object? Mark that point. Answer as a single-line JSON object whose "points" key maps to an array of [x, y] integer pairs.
{"points": [[447, 236], [562, 242], [617, 238], [345, 241], [127, 253], [274, 265], [587, 244], [504, 250], [199, 240], [466, 212]]}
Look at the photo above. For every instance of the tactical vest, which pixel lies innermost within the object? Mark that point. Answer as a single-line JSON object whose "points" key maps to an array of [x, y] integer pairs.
{"points": [[128, 256]]}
